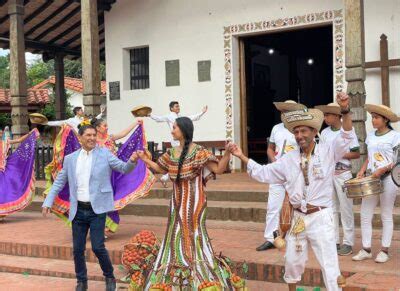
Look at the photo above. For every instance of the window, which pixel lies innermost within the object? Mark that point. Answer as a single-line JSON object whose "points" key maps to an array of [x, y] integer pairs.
{"points": [[139, 61]]}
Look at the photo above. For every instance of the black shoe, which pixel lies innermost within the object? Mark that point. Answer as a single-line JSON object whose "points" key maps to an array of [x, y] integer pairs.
{"points": [[337, 247], [81, 286], [265, 246], [111, 285]]}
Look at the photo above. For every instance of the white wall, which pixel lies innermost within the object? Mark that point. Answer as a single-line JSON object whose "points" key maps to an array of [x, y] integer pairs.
{"points": [[75, 98], [382, 17], [192, 31]]}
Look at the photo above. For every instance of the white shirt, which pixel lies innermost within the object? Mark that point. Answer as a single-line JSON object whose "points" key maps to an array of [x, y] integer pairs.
{"points": [[283, 139], [287, 171], [83, 171], [73, 121], [328, 135], [381, 149], [170, 120]]}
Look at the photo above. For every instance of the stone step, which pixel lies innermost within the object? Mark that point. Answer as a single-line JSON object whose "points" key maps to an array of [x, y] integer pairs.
{"points": [[23, 282], [51, 267], [47, 239], [223, 210], [221, 195]]}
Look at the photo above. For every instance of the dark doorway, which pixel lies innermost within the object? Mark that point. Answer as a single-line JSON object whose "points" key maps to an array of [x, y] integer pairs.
{"points": [[296, 65]]}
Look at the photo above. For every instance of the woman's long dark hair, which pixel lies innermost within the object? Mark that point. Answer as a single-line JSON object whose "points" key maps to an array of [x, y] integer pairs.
{"points": [[186, 127]]}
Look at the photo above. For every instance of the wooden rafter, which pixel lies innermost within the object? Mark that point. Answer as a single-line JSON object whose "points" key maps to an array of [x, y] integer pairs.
{"points": [[38, 11], [48, 18], [58, 23], [65, 32]]}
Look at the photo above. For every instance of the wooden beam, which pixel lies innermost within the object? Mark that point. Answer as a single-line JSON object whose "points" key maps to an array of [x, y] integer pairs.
{"points": [[78, 36], [48, 18], [58, 23], [378, 64], [65, 32], [2, 2], [5, 17], [44, 47], [38, 11]]}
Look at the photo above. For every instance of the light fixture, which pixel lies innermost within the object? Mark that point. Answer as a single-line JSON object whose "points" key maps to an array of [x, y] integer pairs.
{"points": [[271, 51], [310, 61]]}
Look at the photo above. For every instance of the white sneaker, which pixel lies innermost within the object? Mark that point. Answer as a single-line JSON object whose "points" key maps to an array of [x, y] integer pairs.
{"points": [[382, 257], [362, 255]]}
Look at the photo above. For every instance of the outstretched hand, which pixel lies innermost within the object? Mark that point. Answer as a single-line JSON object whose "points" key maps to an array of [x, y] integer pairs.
{"points": [[205, 108]]}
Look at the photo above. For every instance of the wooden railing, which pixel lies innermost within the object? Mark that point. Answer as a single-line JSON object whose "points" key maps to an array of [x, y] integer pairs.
{"points": [[44, 155]]}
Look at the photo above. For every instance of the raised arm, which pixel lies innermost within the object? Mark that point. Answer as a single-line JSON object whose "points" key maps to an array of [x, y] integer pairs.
{"points": [[156, 167], [220, 167], [157, 118], [120, 166], [19, 140], [272, 173], [197, 116], [126, 131], [57, 123]]}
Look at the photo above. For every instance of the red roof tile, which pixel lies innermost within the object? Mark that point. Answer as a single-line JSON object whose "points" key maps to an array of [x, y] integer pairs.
{"points": [[72, 84], [35, 97]]}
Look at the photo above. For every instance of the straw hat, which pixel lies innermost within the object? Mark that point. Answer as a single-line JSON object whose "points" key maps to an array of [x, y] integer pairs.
{"points": [[289, 105], [382, 110], [38, 118], [141, 111], [307, 117], [332, 108]]}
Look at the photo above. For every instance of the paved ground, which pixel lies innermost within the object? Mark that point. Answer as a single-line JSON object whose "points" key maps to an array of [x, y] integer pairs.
{"points": [[237, 240]]}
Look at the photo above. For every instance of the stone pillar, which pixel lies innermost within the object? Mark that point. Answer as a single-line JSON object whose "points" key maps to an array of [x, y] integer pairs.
{"points": [[90, 57], [18, 90], [60, 99], [355, 73]]}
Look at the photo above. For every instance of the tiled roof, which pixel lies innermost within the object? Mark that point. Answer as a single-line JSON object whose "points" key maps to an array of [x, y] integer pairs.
{"points": [[72, 84], [35, 96]]}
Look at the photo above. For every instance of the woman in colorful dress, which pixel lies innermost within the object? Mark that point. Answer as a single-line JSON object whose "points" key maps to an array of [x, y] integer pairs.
{"points": [[381, 144], [186, 244], [104, 139], [17, 175], [127, 188]]}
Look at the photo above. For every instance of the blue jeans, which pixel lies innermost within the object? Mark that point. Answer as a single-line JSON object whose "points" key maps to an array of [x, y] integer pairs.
{"points": [[84, 220]]}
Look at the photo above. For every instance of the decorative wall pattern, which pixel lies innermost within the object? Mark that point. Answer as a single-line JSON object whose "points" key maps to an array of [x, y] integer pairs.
{"points": [[334, 16]]}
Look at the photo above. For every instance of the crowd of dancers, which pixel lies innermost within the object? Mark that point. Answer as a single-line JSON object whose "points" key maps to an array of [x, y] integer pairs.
{"points": [[90, 179]]}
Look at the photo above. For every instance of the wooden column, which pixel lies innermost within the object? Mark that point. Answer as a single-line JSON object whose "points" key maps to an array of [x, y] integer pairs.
{"points": [[18, 90], [90, 57], [60, 100], [355, 73]]}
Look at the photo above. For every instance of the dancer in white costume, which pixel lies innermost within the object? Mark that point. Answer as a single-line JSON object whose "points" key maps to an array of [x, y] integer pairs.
{"points": [[170, 118], [280, 143], [307, 174], [342, 206], [381, 145]]}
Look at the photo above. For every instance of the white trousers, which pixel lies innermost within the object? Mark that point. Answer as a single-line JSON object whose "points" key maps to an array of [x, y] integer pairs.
{"points": [[276, 195], [320, 234], [343, 208], [368, 204]]}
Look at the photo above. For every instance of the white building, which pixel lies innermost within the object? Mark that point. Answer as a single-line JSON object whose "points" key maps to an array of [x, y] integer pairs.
{"points": [[219, 32]]}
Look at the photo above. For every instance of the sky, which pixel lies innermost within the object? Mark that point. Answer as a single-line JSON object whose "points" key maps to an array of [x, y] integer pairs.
{"points": [[28, 56]]}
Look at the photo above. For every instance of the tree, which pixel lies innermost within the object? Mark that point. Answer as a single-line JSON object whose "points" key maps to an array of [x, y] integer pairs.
{"points": [[39, 71], [5, 71]]}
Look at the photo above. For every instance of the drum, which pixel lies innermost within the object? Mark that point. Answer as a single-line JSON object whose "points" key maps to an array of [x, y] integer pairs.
{"points": [[360, 188], [396, 174]]}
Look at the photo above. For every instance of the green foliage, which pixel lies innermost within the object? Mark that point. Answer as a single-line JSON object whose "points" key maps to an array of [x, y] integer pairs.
{"points": [[4, 71], [5, 120], [39, 71]]}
